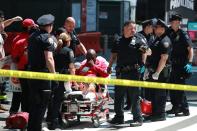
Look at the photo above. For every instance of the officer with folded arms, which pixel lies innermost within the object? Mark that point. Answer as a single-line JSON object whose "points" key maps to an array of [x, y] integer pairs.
{"points": [[182, 56]]}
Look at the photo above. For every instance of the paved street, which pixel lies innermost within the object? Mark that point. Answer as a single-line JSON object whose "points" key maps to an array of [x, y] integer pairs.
{"points": [[171, 124]]}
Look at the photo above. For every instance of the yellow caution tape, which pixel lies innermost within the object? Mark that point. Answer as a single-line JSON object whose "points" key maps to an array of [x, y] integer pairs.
{"points": [[3, 97], [107, 81]]}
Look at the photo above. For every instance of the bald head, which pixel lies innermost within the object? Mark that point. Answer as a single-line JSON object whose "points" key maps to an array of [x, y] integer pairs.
{"points": [[69, 24], [91, 54], [70, 20]]}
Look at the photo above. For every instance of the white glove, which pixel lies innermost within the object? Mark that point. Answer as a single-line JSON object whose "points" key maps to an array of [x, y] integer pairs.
{"points": [[155, 76], [67, 86]]}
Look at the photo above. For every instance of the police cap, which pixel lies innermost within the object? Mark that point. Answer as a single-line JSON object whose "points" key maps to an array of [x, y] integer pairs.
{"points": [[161, 23], [147, 23], [45, 20], [176, 17]]}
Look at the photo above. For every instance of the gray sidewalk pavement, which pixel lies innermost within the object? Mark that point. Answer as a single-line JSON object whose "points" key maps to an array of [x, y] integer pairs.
{"points": [[171, 124]]}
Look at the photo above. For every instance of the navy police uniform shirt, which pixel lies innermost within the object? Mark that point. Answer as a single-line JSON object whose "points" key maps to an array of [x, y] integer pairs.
{"points": [[74, 41], [127, 50], [180, 43], [63, 58], [149, 37], [161, 45], [39, 42]]}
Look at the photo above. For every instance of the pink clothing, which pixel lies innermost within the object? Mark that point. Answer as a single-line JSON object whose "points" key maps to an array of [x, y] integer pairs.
{"points": [[99, 69]]}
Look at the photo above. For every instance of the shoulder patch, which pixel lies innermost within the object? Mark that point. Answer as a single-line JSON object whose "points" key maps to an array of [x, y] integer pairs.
{"points": [[166, 44], [50, 40], [72, 54]]}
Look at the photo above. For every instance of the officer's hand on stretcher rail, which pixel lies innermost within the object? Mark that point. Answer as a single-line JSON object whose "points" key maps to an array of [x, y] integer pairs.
{"points": [[155, 76]]}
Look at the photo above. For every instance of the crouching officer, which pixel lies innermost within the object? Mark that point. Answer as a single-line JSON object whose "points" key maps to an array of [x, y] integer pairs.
{"points": [[181, 66], [158, 65], [40, 59], [128, 50]]}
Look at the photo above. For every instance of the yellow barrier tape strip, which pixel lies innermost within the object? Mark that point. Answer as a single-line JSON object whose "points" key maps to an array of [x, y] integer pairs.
{"points": [[107, 81]]}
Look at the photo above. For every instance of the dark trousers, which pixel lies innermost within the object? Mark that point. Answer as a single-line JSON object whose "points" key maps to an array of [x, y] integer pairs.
{"points": [[146, 93], [39, 96], [134, 93], [16, 101], [58, 95], [178, 98], [128, 99], [158, 96], [21, 98], [158, 99]]}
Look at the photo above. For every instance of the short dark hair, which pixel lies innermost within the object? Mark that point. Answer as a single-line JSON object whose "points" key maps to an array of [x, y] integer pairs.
{"points": [[128, 23]]}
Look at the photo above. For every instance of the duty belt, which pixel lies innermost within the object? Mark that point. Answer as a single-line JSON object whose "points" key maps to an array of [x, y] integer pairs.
{"points": [[178, 61], [127, 68]]}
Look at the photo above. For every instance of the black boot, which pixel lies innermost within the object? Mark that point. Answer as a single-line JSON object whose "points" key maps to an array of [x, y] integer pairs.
{"points": [[183, 112], [173, 111], [117, 120], [54, 125]]}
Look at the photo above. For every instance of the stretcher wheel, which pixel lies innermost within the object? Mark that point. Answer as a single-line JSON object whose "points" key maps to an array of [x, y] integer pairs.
{"points": [[96, 122], [65, 123]]}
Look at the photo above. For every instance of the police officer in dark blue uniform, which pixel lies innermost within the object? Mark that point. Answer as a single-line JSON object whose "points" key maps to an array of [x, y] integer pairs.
{"points": [[69, 25], [158, 65], [147, 32], [40, 59], [148, 37], [128, 50], [64, 61], [182, 55]]}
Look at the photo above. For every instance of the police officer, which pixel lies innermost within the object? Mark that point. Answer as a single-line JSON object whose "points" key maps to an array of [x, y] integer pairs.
{"points": [[147, 36], [158, 65], [181, 66], [147, 32], [69, 25], [40, 59], [64, 61], [128, 51]]}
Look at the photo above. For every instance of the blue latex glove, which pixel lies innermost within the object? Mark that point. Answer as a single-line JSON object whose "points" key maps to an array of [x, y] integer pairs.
{"points": [[188, 67], [141, 69]]}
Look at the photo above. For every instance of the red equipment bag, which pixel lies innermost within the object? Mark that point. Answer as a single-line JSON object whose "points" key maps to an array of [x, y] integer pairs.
{"points": [[146, 107], [18, 120]]}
